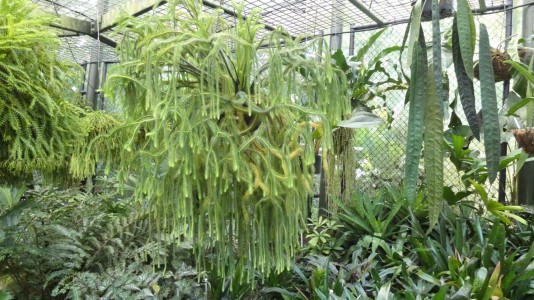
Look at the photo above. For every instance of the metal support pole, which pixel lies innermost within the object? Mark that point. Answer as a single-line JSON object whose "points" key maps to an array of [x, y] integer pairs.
{"points": [[323, 201], [93, 83], [336, 27], [351, 40], [525, 178]]}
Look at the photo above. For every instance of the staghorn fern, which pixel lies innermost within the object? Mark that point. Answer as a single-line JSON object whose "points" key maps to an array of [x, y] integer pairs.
{"points": [[218, 130]]}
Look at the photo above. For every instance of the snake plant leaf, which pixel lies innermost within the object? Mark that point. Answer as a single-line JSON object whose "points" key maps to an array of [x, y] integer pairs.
{"points": [[465, 84], [414, 29], [436, 56], [361, 119], [416, 95], [491, 125], [466, 35], [433, 153]]}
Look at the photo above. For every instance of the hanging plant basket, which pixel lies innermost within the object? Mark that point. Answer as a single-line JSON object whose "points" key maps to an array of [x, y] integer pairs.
{"points": [[525, 139], [501, 70]]}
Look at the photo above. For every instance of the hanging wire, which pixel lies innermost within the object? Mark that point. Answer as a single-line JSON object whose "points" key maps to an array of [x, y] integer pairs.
{"points": [[55, 4]]}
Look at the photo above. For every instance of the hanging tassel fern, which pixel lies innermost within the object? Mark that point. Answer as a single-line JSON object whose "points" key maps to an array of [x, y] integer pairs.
{"points": [[218, 130], [37, 123]]}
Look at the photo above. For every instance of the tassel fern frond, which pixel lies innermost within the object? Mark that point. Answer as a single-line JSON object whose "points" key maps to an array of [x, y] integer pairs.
{"points": [[38, 119], [217, 130]]}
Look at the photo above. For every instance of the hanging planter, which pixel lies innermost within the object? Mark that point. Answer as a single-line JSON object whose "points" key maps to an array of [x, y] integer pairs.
{"points": [[525, 139], [501, 70]]}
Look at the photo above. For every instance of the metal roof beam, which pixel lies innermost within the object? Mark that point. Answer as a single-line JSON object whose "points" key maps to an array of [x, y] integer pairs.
{"points": [[487, 10], [482, 5], [139, 7], [133, 7], [73, 26], [68, 23], [366, 11]]}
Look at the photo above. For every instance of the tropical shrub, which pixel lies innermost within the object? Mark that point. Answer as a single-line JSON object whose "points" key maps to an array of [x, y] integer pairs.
{"points": [[428, 99]]}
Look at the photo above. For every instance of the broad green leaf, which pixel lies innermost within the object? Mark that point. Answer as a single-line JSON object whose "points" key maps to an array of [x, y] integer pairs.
{"points": [[442, 293], [5, 295], [480, 278], [465, 84], [490, 115], [509, 215], [466, 35], [522, 70], [480, 190], [433, 153], [521, 161], [361, 53], [428, 277], [340, 60], [383, 293], [463, 293], [519, 105], [416, 96]]}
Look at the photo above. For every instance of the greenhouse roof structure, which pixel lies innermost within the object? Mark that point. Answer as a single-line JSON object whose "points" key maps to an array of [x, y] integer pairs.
{"points": [[86, 21]]}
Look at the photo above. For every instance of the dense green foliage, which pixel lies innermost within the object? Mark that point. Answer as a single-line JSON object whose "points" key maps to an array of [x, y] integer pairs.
{"points": [[43, 126], [65, 243], [218, 129], [387, 250], [431, 125], [213, 164], [38, 123]]}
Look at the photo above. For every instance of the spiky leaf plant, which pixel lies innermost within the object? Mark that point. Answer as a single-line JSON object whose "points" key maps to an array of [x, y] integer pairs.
{"points": [[218, 129], [37, 122], [463, 43]]}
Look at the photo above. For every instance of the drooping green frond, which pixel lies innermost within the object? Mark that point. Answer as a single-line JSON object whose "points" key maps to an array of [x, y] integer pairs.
{"points": [[87, 151], [218, 130], [37, 123]]}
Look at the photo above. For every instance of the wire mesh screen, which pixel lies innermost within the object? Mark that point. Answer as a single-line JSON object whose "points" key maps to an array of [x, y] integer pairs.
{"points": [[380, 151]]}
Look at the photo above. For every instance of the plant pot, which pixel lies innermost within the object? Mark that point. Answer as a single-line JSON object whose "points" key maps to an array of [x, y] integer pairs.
{"points": [[525, 139]]}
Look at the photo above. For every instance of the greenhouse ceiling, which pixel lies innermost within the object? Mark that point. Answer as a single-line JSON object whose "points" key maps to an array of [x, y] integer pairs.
{"points": [[86, 21]]}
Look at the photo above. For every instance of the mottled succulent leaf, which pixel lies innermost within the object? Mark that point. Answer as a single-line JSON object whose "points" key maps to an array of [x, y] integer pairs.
{"points": [[490, 115], [465, 84], [416, 96], [466, 35], [433, 152], [436, 56]]}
